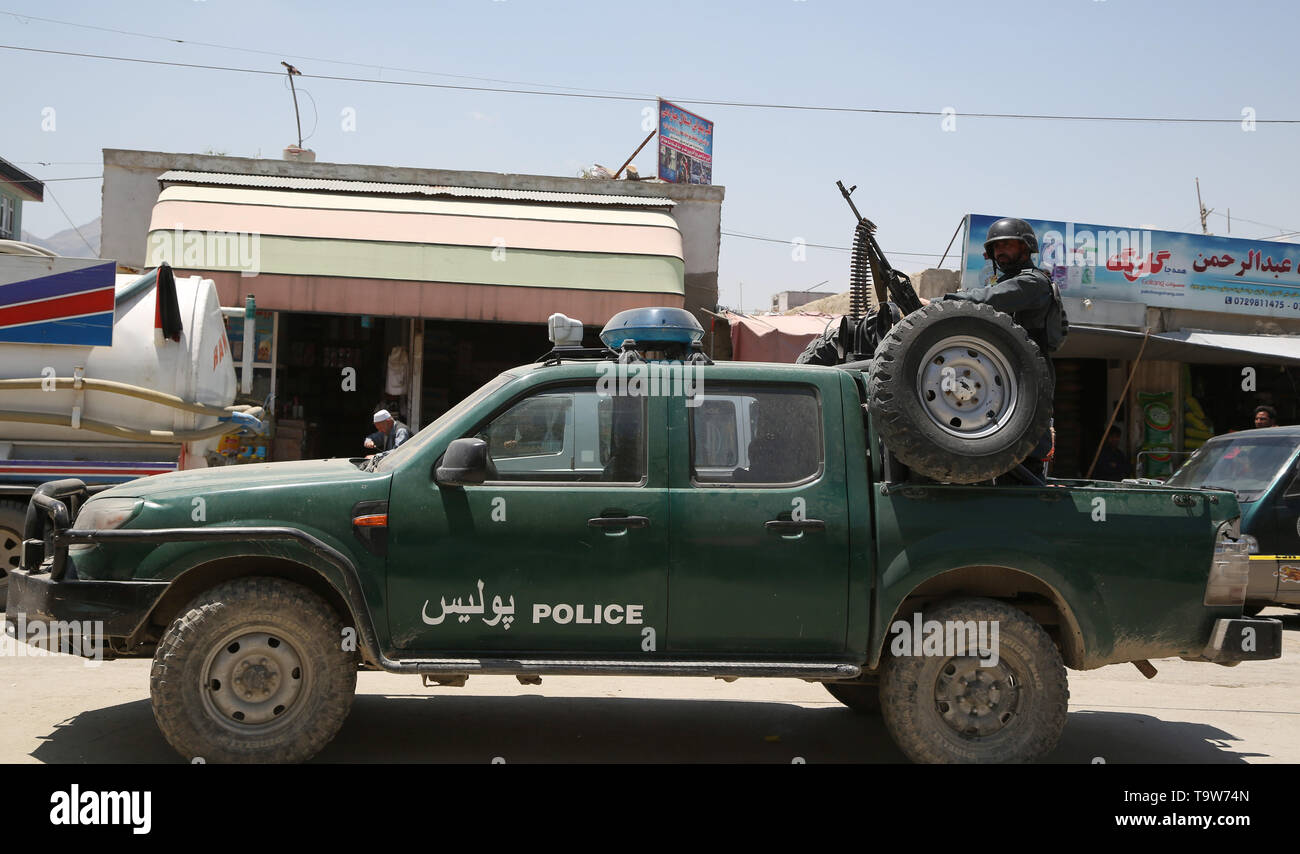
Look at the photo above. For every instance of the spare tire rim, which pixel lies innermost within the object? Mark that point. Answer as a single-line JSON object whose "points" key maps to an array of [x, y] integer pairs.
{"points": [[975, 700], [254, 679], [967, 387]]}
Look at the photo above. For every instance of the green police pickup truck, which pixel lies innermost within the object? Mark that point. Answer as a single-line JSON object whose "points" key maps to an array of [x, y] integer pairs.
{"points": [[611, 512]]}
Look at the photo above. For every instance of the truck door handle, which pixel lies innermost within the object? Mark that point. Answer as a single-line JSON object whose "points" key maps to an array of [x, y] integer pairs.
{"points": [[788, 526], [1182, 499], [619, 522]]}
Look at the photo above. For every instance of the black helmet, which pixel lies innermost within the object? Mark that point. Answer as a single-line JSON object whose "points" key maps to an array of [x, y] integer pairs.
{"points": [[1010, 228]]}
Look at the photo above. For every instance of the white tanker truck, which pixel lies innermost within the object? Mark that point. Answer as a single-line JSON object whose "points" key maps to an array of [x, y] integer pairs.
{"points": [[107, 378]]}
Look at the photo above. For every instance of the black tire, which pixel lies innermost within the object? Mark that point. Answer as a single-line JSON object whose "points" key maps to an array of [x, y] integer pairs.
{"points": [[1014, 713], [863, 699], [277, 641], [959, 429], [13, 516], [823, 349]]}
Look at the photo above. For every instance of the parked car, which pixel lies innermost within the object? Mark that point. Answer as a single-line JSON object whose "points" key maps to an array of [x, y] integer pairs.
{"points": [[1263, 468]]}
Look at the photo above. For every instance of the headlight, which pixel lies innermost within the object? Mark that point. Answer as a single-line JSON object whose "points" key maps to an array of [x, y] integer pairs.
{"points": [[104, 514]]}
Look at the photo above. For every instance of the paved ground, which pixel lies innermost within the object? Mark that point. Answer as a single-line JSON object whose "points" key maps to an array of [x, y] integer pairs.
{"points": [[57, 710]]}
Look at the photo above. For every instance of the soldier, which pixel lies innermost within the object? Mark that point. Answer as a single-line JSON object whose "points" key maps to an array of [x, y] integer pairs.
{"points": [[1028, 295], [1021, 290]]}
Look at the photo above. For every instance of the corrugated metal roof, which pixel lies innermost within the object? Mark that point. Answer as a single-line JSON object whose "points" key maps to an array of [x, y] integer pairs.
{"points": [[229, 179]]}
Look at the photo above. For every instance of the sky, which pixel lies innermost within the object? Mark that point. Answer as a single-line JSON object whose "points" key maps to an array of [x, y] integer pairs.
{"points": [[917, 175]]}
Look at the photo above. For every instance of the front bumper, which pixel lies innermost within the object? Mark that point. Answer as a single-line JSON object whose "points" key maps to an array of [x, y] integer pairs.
{"points": [[1234, 640], [115, 608]]}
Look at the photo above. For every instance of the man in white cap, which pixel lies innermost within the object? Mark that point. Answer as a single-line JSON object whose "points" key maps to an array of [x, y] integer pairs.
{"points": [[389, 433]]}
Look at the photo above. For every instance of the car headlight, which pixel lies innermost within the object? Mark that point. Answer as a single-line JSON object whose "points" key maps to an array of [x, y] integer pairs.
{"points": [[104, 514]]}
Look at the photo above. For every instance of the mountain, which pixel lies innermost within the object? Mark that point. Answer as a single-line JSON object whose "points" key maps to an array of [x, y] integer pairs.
{"points": [[67, 242]]}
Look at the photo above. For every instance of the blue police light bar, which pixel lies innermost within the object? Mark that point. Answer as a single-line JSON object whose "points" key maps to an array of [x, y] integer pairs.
{"points": [[649, 326]]}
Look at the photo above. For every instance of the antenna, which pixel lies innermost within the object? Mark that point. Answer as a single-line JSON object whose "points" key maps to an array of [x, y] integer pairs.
{"points": [[291, 71]]}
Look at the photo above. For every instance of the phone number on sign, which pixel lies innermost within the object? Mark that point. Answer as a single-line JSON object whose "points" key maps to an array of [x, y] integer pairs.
{"points": [[1262, 302]]}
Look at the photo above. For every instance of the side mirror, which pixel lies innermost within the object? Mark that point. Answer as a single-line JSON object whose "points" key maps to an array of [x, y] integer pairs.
{"points": [[464, 463]]}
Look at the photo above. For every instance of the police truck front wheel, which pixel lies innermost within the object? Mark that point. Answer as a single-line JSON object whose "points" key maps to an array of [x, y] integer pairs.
{"points": [[253, 670], [1004, 701], [959, 393]]}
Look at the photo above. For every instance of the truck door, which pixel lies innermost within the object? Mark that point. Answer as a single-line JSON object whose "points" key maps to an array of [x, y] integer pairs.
{"points": [[1286, 525], [563, 548], [759, 554]]}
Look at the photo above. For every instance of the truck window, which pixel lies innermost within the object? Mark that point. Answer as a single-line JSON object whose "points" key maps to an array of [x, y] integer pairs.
{"points": [[715, 434], [756, 435], [531, 428], [574, 435]]}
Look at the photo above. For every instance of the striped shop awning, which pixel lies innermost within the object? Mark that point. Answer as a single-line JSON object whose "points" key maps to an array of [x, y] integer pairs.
{"points": [[446, 256]]}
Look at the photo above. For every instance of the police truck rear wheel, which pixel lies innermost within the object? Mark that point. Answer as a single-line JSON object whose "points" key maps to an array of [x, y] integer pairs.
{"points": [[253, 670], [959, 393], [943, 708], [13, 516]]}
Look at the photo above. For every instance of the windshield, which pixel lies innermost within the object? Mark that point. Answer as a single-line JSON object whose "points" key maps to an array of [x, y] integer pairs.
{"points": [[1246, 465], [413, 445]]}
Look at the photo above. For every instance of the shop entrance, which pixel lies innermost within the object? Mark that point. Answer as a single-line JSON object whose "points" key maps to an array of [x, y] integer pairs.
{"points": [[1080, 413], [460, 356], [332, 372]]}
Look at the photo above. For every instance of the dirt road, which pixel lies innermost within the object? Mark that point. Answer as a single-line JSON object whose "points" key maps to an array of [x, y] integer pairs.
{"points": [[57, 710]]}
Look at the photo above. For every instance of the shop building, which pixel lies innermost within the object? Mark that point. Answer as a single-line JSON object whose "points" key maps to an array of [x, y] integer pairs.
{"points": [[403, 288], [1183, 334]]}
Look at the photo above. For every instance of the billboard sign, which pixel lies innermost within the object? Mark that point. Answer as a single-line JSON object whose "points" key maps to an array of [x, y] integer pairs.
{"points": [[685, 146], [1167, 269]]}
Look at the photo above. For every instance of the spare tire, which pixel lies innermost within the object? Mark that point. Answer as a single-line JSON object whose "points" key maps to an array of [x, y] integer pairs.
{"points": [[959, 393]]}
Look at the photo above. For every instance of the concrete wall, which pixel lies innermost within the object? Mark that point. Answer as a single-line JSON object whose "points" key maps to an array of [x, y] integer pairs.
{"points": [[131, 188], [787, 300], [934, 283]]}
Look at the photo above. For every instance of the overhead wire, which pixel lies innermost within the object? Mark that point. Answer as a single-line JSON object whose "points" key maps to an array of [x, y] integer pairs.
{"points": [[818, 245], [677, 99], [50, 193], [281, 54]]}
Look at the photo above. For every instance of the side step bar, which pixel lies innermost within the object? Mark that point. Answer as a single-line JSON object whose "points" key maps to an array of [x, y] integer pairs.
{"points": [[631, 667]]}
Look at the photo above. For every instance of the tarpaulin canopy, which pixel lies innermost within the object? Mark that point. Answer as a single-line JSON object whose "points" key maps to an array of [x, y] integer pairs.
{"points": [[773, 338]]}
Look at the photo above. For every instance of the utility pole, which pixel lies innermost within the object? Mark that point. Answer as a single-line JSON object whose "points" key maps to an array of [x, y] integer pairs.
{"points": [[1201, 207], [291, 71]]}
